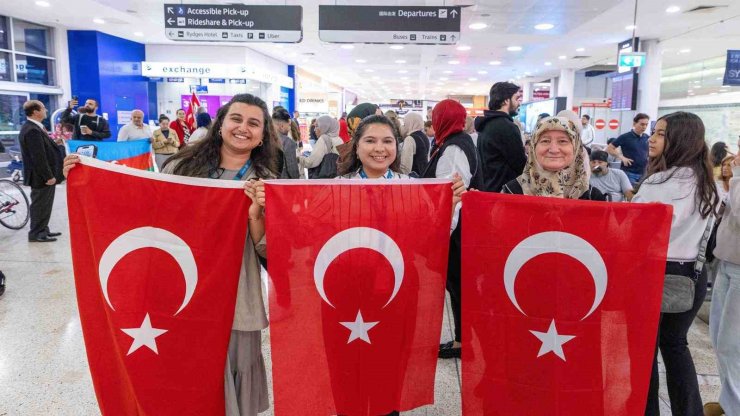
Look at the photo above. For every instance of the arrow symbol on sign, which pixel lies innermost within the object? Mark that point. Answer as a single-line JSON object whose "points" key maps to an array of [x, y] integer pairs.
{"points": [[453, 13], [169, 20], [453, 38], [169, 10]]}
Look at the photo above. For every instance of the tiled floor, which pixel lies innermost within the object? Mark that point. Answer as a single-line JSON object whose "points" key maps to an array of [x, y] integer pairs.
{"points": [[43, 368]]}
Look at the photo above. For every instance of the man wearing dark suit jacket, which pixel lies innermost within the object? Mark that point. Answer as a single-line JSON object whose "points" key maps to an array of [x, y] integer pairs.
{"points": [[41, 170]]}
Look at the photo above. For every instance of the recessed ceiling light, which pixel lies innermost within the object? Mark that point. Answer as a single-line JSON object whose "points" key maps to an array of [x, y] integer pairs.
{"points": [[376, 77], [43, 3], [673, 9], [400, 61], [402, 71], [630, 27], [580, 49], [719, 78], [562, 57], [463, 48], [443, 78], [548, 63], [453, 62], [99, 21], [397, 47], [495, 63], [404, 78], [691, 90], [472, 79], [697, 82], [447, 72], [369, 70], [478, 26], [138, 34], [514, 48], [482, 72], [360, 61], [527, 73], [544, 26], [686, 50], [348, 46], [713, 93]]}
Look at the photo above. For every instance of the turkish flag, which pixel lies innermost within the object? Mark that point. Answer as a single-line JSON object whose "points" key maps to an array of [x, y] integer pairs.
{"points": [[156, 294], [191, 111], [562, 301], [357, 273]]}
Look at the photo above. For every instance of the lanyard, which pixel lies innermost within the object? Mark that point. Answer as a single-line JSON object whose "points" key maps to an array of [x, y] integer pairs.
{"points": [[388, 174], [243, 170]]}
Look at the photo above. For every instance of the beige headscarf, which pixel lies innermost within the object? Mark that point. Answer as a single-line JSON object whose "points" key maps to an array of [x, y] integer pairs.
{"points": [[412, 122], [570, 182]]}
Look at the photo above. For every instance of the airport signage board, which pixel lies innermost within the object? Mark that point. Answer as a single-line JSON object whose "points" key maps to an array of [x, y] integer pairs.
{"points": [[212, 70], [390, 24], [631, 59], [732, 68], [233, 23]]}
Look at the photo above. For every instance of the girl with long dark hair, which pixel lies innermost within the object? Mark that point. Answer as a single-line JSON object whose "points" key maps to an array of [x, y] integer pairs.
{"points": [[680, 174]]}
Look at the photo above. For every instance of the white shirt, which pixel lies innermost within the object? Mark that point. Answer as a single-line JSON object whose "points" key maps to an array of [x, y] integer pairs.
{"points": [[587, 135], [197, 135], [132, 132], [687, 225], [38, 123], [453, 161]]}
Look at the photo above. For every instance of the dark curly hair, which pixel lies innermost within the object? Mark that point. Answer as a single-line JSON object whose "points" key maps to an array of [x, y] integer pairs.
{"points": [[203, 159], [350, 163]]}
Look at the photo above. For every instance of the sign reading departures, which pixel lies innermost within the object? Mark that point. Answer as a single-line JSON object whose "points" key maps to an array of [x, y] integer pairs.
{"points": [[389, 24], [233, 23]]}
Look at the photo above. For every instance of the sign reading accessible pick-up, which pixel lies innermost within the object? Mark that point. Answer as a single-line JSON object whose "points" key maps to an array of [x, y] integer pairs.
{"points": [[233, 23], [389, 24]]}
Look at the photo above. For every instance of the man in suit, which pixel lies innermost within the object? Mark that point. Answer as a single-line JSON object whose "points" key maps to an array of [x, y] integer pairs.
{"points": [[41, 170]]}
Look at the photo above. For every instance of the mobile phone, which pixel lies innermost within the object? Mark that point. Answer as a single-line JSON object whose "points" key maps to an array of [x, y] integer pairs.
{"points": [[89, 150], [74, 98]]}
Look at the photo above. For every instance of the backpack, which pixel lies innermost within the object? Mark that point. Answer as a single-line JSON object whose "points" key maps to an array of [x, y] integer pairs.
{"points": [[327, 169]]}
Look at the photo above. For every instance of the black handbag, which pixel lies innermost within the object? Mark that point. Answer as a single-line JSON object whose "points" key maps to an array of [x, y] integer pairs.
{"points": [[678, 290]]}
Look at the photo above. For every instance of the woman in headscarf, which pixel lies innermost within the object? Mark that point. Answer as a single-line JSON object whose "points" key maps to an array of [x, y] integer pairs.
{"points": [[415, 146], [578, 128], [327, 128], [555, 166], [453, 153]]}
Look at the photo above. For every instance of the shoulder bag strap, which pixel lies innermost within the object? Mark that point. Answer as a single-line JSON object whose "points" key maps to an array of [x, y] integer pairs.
{"points": [[701, 258]]}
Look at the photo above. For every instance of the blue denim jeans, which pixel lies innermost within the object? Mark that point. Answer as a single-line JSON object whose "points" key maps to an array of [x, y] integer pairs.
{"points": [[724, 329], [633, 177]]}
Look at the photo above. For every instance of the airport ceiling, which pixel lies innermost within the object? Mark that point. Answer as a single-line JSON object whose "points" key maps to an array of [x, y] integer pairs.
{"points": [[585, 34]]}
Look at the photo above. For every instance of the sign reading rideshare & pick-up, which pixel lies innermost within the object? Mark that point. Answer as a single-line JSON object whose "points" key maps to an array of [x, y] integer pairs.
{"points": [[233, 23], [732, 68], [390, 24]]}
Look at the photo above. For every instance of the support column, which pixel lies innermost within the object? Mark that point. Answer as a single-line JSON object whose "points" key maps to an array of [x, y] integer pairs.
{"points": [[526, 91], [648, 84], [566, 86]]}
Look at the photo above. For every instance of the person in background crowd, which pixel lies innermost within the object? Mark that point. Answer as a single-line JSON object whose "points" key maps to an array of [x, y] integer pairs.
{"points": [[470, 129], [555, 166], [718, 153], [634, 146], [611, 182], [312, 136], [415, 145], [429, 131], [296, 115], [2, 282], [679, 174], [614, 161], [724, 317], [281, 120], [527, 147], [164, 141], [353, 120], [393, 116], [136, 129], [181, 127], [500, 144], [723, 179], [343, 130], [88, 125], [575, 122], [240, 146], [542, 115], [587, 132], [453, 155], [203, 120], [327, 128], [41, 170], [295, 133]]}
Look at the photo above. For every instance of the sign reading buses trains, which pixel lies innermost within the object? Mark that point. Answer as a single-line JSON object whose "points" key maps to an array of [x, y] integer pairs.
{"points": [[233, 23], [390, 24]]}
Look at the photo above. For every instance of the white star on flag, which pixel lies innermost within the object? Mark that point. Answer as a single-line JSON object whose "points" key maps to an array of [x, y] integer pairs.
{"points": [[359, 328], [145, 335], [552, 341]]}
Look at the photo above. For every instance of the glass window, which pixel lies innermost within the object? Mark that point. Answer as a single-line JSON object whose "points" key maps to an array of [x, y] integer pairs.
{"points": [[31, 38], [4, 66], [4, 33], [11, 112], [34, 70], [50, 104]]}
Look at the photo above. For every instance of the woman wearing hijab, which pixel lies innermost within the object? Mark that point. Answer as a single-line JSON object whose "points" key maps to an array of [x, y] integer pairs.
{"points": [[327, 128], [453, 153], [555, 166], [415, 147]]}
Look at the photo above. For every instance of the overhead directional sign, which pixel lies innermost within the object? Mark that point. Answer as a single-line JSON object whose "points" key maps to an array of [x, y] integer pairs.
{"points": [[390, 24], [233, 23], [631, 59]]}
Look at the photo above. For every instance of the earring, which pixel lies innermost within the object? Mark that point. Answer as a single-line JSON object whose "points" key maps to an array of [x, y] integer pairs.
{"points": [[261, 141]]}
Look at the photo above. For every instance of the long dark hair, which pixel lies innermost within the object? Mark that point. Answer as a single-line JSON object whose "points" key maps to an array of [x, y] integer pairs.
{"points": [[718, 152], [350, 163], [203, 159], [685, 147]]}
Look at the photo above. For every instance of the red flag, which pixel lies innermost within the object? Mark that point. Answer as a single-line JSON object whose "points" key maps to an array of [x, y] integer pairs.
{"points": [[561, 301], [156, 295], [358, 273], [191, 111]]}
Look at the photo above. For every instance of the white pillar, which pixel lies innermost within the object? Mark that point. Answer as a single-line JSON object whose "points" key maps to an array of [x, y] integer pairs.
{"points": [[648, 84], [554, 87], [526, 91], [566, 86]]}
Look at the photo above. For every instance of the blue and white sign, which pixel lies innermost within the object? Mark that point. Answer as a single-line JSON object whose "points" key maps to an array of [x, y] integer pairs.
{"points": [[217, 80], [732, 68], [631, 59], [175, 79]]}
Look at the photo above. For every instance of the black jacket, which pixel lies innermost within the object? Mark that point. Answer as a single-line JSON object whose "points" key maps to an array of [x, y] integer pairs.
{"points": [[464, 142], [96, 123], [500, 149], [41, 157], [421, 157], [591, 194]]}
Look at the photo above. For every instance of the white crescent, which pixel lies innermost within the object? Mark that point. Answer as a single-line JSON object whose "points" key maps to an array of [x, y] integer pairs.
{"points": [[145, 237], [556, 242], [358, 237]]}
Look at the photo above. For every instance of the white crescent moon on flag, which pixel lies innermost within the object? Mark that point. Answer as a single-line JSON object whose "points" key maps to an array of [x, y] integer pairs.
{"points": [[358, 237], [556, 242], [146, 237]]}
